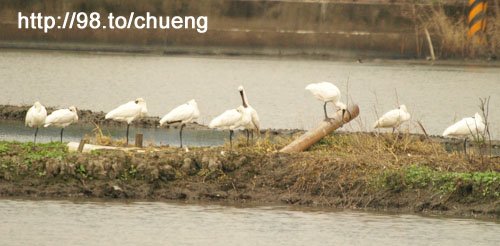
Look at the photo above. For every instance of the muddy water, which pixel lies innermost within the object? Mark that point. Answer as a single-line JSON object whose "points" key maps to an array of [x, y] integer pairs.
{"points": [[436, 95], [154, 223]]}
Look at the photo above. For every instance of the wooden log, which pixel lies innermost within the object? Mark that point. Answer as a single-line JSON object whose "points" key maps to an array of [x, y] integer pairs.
{"points": [[324, 128], [73, 146], [138, 140], [81, 145]]}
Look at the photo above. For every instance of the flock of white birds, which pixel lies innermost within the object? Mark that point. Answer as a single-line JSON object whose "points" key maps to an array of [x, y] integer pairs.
{"points": [[243, 117]]}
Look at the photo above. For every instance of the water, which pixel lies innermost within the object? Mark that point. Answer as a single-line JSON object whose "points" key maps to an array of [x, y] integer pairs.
{"points": [[16, 131], [436, 95], [26, 222]]}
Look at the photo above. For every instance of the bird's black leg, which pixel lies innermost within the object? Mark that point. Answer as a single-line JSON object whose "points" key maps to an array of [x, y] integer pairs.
{"points": [[465, 146], [128, 126], [182, 126], [231, 132], [248, 135], [324, 108], [36, 132], [62, 129]]}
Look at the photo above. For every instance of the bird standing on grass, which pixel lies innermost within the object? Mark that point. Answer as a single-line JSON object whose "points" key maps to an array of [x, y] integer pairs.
{"points": [[393, 119], [62, 118], [232, 119], [185, 113], [129, 112], [254, 124], [465, 128], [35, 117], [327, 92]]}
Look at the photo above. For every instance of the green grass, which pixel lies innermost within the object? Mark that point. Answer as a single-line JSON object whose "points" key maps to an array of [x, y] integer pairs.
{"points": [[4, 148], [485, 184], [31, 152]]}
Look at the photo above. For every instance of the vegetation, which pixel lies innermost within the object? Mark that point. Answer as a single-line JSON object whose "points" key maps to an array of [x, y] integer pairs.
{"points": [[449, 31], [479, 184], [342, 170]]}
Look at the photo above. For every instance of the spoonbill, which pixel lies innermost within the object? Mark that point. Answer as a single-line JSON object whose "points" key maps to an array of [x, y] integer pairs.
{"points": [[254, 124], [35, 117], [232, 119], [327, 92], [393, 119], [62, 118], [185, 113], [129, 112], [465, 128]]}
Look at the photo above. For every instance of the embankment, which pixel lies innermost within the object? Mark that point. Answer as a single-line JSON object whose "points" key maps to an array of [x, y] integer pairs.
{"points": [[350, 29], [355, 171]]}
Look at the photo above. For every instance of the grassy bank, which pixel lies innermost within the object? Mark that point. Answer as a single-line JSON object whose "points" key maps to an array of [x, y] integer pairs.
{"points": [[360, 171]]}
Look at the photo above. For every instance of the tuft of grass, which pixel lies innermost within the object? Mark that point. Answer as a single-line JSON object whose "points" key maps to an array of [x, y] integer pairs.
{"points": [[393, 144], [32, 153], [265, 143], [100, 138], [4, 148], [450, 33], [54, 150], [483, 184]]}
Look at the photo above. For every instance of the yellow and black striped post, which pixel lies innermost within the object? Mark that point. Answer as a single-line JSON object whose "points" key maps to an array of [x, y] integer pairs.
{"points": [[477, 16]]}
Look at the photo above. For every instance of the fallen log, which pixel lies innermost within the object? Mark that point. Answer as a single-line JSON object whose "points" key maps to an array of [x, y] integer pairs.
{"points": [[86, 148], [324, 128]]}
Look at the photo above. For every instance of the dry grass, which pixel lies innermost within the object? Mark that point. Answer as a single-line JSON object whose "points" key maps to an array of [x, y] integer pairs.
{"points": [[100, 138], [449, 34]]}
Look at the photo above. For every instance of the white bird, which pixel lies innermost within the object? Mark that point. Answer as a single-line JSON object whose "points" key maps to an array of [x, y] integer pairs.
{"points": [[465, 128], [393, 119], [327, 92], [254, 124], [129, 112], [185, 113], [62, 118], [231, 120], [35, 117]]}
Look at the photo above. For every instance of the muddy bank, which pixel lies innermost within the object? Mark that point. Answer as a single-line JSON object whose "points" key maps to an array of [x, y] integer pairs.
{"points": [[342, 171]]}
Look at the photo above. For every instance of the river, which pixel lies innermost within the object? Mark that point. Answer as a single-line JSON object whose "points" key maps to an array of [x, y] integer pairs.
{"points": [[28, 222], [437, 95]]}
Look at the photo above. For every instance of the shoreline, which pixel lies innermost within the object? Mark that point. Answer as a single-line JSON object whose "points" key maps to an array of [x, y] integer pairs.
{"points": [[17, 113], [258, 52], [336, 173]]}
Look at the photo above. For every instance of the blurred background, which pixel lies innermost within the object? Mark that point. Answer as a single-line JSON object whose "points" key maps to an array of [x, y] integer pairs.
{"points": [[338, 28]]}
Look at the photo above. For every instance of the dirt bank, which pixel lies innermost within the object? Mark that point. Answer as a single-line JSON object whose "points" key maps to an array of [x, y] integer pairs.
{"points": [[356, 171]]}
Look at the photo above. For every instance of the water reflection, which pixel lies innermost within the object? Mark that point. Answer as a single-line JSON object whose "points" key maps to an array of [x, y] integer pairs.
{"points": [[157, 223]]}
